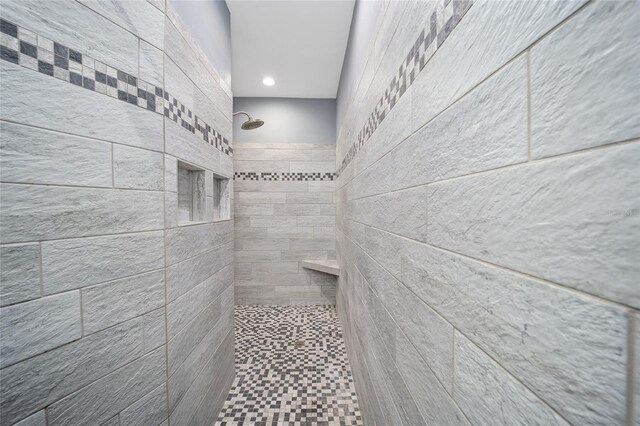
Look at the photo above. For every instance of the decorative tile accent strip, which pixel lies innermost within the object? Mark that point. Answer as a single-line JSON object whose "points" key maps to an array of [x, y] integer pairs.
{"points": [[30, 50], [284, 176], [429, 40], [292, 369]]}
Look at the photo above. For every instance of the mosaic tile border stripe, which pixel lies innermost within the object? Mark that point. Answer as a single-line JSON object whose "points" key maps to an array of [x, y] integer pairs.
{"points": [[23, 47], [427, 43], [284, 176]]}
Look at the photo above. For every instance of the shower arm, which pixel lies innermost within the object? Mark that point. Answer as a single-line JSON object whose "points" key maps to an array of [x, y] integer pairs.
{"points": [[242, 112]]}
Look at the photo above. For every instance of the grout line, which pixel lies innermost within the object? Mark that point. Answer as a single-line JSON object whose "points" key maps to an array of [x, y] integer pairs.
{"points": [[529, 113], [516, 55], [631, 360], [542, 400], [539, 280], [41, 274], [584, 151]]}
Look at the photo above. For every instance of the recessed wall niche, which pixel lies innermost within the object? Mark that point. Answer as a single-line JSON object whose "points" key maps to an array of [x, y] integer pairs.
{"points": [[221, 198], [191, 194]]}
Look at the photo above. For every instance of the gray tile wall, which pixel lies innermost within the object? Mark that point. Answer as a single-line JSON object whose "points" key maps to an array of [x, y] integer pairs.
{"points": [[281, 222], [487, 229], [110, 312]]}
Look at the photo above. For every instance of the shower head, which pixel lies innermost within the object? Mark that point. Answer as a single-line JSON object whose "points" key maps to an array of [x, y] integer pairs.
{"points": [[251, 123]]}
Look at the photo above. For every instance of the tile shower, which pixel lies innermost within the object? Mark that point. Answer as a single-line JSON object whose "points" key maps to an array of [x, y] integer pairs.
{"points": [[117, 277], [481, 199]]}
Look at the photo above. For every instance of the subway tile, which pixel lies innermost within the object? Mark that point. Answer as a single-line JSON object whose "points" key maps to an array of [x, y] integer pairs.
{"points": [[321, 186], [216, 338], [275, 268], [186, 409], [316, 220], [247, 154], [135, 168], [138, 17], [270, 186], [482, 131], [75, 263], [500, 31], [490, 395], [151, 65], [583, 80], [566, 347], [154, 329], [243, 209], [287, 155], [20, 273], [107, 396], [150, 409], [48, 212], [290, 232], [303, 209], [312, 166], [535, 217], [435, 404], [273, 221], [256, 255], [328, 155], [312, 244], [48, 377], [262, 166], [185, 275], [189, 241], [111, 303], [273, 279], [187, 338], [183, 309], [186, 146], [309, 197], [78, 27], [262, 197], [25, 334], [136, 126], [268, 244], [52, 158]]}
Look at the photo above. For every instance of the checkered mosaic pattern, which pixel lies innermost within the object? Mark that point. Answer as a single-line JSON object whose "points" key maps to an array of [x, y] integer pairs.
{"points": [[292, 369], [284, 176], [441, 23], [23, 47]]}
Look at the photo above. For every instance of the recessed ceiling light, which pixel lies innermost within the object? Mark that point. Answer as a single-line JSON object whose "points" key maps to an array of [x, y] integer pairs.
{"points": [[268, 81]]}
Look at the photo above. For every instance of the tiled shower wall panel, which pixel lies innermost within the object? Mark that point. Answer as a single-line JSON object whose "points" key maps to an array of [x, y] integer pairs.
{"points": [[488, 216], [110, 312], [285, 213]]}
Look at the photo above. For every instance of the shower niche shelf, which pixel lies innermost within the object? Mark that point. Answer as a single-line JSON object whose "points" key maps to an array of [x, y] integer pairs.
{"points": [[330, 267], [191, 194]]}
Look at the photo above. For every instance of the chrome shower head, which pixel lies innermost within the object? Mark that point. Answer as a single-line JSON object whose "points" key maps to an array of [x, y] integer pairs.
{"points": [[251, 123]]}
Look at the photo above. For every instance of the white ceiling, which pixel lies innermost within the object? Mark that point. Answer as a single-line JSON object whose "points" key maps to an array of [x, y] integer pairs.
{"points": [[300, 43]]}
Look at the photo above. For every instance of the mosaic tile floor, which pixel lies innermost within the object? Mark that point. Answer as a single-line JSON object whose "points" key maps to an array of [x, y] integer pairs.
{"points": [[292, 369]]}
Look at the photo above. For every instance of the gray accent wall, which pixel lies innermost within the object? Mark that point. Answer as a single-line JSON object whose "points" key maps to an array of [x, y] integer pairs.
{"points": [[284, 214], [208, 22], [487, 214], [112, 311], [287, 120]]}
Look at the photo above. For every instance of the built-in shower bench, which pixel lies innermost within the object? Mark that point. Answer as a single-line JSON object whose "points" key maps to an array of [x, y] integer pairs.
{"points": [[326, 266]]}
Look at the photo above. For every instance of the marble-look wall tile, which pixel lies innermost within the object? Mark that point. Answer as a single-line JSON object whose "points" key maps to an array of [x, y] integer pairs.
{"points": [[47, 212], [117, 301], [139, 17], [76, 263], [25, 334], [136, 126], [39, 381], [31, 155], [20, 273], [489, 395], [78, 27], [107, 396], [135, 168], [583, 80]]}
